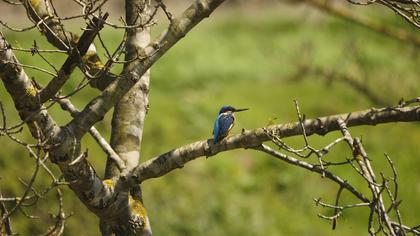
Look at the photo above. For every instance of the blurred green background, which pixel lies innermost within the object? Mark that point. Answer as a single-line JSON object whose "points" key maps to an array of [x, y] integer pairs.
{"points": [[245, 57]]}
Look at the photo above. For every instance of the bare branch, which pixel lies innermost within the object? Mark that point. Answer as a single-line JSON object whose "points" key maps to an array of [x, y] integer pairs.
{"points": [[310, 167], [336, 211], [60, 218], [24, 94], [130, 111], [28, 186], [68, 106], [165, 10], [410, 13], [116, 200], [360, 156], [178, 157], [60, 142], [399, 34], [75, 57], [5, 218], [98, 107], [12, 2]]}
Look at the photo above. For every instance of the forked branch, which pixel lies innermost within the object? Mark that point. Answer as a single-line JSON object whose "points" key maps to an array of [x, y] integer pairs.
{"points": [[177, 158]]}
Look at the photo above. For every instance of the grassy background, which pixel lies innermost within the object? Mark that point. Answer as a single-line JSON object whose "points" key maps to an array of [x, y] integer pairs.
{"points": [[246, 59]]}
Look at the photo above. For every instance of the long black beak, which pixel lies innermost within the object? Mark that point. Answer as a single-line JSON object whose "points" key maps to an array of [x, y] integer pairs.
{"points": [[243, 109]]}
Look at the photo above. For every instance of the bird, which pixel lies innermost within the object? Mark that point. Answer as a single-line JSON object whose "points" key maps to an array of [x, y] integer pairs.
{"points": [[224, 122]]}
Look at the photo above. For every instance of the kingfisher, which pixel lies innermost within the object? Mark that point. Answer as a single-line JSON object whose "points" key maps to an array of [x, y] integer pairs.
{"points": [[224, 122]]}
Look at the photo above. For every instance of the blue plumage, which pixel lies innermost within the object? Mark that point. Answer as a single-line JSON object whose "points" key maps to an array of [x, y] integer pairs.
{"points": [[224, 122]]}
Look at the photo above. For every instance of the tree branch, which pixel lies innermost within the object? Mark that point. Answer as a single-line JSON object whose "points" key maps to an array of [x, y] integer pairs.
{"points": [[59, 142], [73, 59], [99, 196], [180, 26], [68, 106], [178, 157], [128, 120], [409, 11], [5, 220], [360, 156], [41, 13], [313, 168], [130, 111], [399, 34], [24, 94]]}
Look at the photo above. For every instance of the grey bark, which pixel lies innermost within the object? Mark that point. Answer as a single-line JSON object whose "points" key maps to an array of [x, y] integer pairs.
{"points": [[120, 212], [130, 111], [112, 199], [177, 158]]}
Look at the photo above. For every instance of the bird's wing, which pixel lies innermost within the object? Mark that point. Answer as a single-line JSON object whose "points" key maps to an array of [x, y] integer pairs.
{"points": [[226, 123], [222, 126], [216, 130], [216, 127]]}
